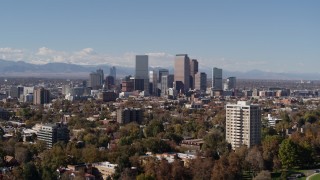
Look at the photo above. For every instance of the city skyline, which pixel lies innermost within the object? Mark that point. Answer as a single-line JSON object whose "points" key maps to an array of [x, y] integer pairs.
{"points": [[271, 36]]}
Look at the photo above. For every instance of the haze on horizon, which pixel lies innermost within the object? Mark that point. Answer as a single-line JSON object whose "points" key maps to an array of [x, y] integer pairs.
{"points": [[277, 36]]}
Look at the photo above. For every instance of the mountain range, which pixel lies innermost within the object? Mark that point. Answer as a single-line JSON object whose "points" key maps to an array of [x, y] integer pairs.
{"points": [[65, 70]]}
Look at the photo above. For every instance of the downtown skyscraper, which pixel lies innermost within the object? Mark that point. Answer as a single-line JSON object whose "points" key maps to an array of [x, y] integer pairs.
{"points": [[193, 71], [182, 73], [217, 79], [113, 72], [142, 72]]}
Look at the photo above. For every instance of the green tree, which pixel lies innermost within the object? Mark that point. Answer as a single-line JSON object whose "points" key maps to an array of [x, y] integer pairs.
{"points": [[154, 128], [22, 154], [30, 172], [215, 144], [156, 145], [254, 160], [90, 154], [17, 173], [145, 177], [288, 154], [201, 168], [270, 147]]}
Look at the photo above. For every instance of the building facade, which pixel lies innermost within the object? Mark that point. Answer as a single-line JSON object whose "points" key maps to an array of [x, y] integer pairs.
{"points": [[52, 133], [100, 72], [182, 73], [153, 80], [231, 83], [128, 115], [142, 70], [109, 82], [193, 71], [113, 72], [162, 72], [166, 83], [216, 79], [243, 124], [95, 80], [200, 81], [41, 96]]}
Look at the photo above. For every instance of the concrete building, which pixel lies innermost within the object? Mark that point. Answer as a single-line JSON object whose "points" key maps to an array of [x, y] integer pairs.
{"points": [[113, 72], [193, 71], [139, 84], [230, 83], [16, 91], [109, 82], [162, 72], [153, 80], [4, 114], [100, 72], [95, 81], [66, 89], [105, 168], [216, 79], [243, 124], [200, 81], [142, 70], [182, 73], [128, 115], [166, 83], [41, 96], [127, 86], [107, 96], [27, 95], [52, 133]]}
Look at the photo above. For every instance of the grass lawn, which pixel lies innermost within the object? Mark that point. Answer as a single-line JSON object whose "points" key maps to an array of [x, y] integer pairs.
{"points": [[315, 177]]}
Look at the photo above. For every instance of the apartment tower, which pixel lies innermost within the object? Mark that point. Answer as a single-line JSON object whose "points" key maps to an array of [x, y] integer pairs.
{"points": [[243, 124]]}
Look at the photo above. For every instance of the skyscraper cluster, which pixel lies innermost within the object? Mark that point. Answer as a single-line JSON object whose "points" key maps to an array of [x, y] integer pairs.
{"points": [[159, 82], [186, 75]]}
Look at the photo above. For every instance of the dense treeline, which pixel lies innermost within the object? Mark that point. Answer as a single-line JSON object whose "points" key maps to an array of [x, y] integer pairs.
{"points": [[163, 131]]}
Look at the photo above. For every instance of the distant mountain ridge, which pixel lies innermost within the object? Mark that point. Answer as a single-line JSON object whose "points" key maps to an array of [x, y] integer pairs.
{"points": [[21, 68]]}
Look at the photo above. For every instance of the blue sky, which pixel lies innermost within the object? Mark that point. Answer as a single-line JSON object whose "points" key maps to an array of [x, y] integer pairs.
{"points": [[279, 36]]}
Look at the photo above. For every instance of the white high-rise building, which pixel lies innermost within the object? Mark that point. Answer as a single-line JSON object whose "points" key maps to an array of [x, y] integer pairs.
{"points": [[216, 79], [142, 70], [243, 124]]}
